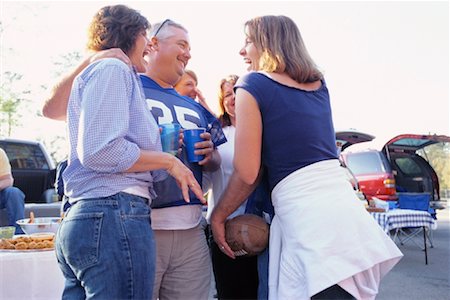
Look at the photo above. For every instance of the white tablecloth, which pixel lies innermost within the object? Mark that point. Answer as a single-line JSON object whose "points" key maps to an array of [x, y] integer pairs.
{"points": [[30, 275]]}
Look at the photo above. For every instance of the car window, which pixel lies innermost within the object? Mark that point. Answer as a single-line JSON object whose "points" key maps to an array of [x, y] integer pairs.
{"points": [[364, 163], [24, 156], [408, 166]]}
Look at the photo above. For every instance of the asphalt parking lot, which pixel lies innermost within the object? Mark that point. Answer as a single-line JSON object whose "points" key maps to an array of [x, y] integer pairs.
{"points": [[411, 279]]}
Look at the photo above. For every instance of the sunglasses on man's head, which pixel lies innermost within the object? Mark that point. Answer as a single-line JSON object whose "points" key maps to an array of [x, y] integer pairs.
{"points": [[161, 26]]}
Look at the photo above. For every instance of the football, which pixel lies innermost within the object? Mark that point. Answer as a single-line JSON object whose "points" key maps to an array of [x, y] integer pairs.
{"points": [[247, 234]]}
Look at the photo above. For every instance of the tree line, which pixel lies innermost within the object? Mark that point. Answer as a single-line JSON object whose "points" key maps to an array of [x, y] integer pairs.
{"points": [[438, 155]]}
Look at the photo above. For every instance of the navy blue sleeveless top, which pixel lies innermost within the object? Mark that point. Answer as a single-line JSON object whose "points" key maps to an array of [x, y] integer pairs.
{"points": [[297, 125]]}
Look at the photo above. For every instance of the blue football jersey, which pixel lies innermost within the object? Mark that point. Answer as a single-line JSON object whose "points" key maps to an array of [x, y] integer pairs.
{"points": [[167, 106]]}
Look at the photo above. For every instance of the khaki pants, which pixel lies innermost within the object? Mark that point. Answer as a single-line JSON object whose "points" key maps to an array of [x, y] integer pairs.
{"points": [[183, 265]]}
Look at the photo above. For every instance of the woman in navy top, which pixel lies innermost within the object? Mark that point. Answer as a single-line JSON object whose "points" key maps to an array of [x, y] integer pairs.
{"points": [[318, 237]]}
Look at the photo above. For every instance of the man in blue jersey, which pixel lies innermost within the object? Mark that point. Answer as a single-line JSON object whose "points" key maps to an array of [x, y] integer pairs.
{"points": [[183, 266]]}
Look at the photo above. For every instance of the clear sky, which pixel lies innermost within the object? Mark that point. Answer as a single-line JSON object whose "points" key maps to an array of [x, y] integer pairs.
{"points": [[386, 63]]}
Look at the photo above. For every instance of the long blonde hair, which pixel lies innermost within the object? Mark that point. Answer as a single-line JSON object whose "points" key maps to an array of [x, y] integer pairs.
{"points": [[282, 49]]}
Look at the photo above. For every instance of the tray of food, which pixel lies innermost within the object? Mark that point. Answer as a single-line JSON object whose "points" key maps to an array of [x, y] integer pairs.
{"points": [[27, 243]]}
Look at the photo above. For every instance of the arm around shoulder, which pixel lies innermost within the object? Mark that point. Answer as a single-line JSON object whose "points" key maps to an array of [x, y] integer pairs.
{"points": [[55, 106]]}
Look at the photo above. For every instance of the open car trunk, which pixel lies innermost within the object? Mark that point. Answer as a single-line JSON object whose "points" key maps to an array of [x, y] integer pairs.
{"points": [[411, 171], [345, 139]]}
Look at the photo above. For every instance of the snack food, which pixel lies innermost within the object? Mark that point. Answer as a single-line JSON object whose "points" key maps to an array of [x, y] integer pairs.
{"points": [[42, 241]]}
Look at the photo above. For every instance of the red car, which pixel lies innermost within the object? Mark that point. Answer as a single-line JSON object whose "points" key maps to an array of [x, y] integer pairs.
{"points": [[397, 168]]}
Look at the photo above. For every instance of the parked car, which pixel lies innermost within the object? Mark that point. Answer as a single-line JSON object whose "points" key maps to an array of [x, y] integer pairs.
{"points": [[354, 182], [345, 139], [373, 172], [396, 168], [34, 173], [412, 172], [32, 168]]}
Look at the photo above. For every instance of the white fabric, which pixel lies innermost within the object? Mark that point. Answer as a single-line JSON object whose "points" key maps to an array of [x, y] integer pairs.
{"points": [[217, 181], [176, 217], [138, 191], [321, 236], [30, 275]]}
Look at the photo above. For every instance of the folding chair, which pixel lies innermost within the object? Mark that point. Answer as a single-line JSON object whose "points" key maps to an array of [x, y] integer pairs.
{"points": [[414, 201]]}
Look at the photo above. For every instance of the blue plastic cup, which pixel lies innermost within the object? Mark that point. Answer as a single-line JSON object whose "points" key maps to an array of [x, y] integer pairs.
{"points": [[170, 134], [192, 136]]}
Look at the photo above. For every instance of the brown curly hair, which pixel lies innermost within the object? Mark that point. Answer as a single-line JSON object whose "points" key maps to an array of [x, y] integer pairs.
{"points": [[115, 26]]}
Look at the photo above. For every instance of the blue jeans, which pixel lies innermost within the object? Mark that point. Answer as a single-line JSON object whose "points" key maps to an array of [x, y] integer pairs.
{"points": [[263, 274], [12, 199], [106, 250]]}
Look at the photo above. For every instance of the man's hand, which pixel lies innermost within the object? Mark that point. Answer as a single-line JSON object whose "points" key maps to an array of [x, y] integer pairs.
{"points": [[205, 148], [111, 53], [212, 159]]}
